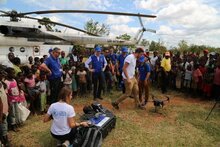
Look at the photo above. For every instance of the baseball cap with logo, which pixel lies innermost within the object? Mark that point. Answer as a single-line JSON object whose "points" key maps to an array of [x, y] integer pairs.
{"points": [[98, 49], [124, 49]]}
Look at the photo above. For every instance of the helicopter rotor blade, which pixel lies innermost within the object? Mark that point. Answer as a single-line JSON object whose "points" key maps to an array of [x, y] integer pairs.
{"points": [[151, 30], [141, 22], [60, 24], [139, 39], [4, 12], [87, 11]]}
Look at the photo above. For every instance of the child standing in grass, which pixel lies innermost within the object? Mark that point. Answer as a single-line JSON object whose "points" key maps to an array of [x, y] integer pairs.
{"points": [[82, 80], [74, 82], [33, 92], [43, 92], [13, 98], [196, 79], [3, 111], [67, 76], [188, 78], [207, 82], [22, 89]]}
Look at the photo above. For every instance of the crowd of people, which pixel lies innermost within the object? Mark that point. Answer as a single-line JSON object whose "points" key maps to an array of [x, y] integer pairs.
{"points": [[37, 84]]}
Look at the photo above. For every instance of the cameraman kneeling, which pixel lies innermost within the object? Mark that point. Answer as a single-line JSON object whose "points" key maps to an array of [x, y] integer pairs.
{"points": [[64, 126]]}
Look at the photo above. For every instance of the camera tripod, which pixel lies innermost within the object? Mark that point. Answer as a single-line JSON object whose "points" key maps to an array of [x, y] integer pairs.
{"points": [[212, 109]]}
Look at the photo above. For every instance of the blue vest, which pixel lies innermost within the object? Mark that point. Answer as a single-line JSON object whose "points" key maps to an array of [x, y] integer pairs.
{"points": [[98, 64]]}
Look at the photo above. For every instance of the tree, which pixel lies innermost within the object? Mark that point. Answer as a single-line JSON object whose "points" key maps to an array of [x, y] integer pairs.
{"points": [[127, 38], [152, 46], [94, 27], [49, 26], [183, 46], [124, 37], [157, 46], [145, 43]]}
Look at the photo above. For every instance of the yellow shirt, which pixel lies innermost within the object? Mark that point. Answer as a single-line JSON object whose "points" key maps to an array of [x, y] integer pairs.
{"points": [[17, 69], [166, 64]]}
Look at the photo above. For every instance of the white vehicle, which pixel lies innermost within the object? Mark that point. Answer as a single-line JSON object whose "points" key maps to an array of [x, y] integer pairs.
{"points": [[30, 40]]}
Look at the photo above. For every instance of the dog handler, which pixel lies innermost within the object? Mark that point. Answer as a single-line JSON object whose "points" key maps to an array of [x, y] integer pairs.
{"points": [[131, 84]]}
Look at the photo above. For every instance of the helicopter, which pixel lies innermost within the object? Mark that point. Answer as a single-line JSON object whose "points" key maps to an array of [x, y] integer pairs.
{"points": [[17, 32], [16, 28]]}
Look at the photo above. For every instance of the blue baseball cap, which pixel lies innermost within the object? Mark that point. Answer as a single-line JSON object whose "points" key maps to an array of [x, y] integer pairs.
{"points": [[141, 59], [98, 49], [124, 49], [50, 50]]}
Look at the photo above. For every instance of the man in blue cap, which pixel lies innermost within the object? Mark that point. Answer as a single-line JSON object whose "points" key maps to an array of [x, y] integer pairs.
{"points": [[119, 66], [98, 64], [143, 80]]}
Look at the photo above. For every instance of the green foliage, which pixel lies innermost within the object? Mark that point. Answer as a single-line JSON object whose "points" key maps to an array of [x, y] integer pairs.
{"points": [[157, 46], [145, 43], [95, 27], [124, 37], [184, 47]]}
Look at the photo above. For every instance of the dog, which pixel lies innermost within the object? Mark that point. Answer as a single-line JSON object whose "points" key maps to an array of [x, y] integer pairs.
{"points": [[158, 102]]}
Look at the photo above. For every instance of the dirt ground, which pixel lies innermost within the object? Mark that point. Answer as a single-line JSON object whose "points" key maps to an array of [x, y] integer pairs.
{"points": [[181, 117]]}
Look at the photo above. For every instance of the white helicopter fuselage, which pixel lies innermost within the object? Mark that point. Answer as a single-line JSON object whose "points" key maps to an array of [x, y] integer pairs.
{"points": [[63, 40]]}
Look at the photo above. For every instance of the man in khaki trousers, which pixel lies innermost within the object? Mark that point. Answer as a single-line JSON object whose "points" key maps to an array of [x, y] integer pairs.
{"points": [[128, 74]]}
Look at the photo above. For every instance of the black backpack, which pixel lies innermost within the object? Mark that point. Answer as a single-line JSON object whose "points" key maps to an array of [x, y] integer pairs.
{"points": [[87, 137]]}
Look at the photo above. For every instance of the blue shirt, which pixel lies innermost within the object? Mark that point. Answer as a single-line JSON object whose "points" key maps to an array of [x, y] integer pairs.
{"points": [[143, 70], [54, 65], [113, 58], [121, 59]]}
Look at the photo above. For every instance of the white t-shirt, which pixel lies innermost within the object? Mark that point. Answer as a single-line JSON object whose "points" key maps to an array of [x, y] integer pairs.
{"points": [[68, 79], [42, 86], [60, 112], [131, 60], [153, 61], [188, 75]]}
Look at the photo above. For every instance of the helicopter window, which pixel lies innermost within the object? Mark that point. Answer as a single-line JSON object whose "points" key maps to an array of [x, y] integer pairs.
{"points": [[36, 50], [11, 49], [22, 49]]}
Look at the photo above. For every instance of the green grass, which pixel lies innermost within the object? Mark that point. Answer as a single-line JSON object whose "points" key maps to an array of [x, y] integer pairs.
{"points": [[179, 123]]}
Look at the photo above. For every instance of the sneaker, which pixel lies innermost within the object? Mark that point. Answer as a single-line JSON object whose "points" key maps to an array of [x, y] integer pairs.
{"points": [[100, 98], [144, 104], [66, 143], [15, 128], [141, 107], [115, 105]]}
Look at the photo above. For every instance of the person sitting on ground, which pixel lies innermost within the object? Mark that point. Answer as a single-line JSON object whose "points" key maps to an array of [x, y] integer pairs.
{"points": [[64, 125]]}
